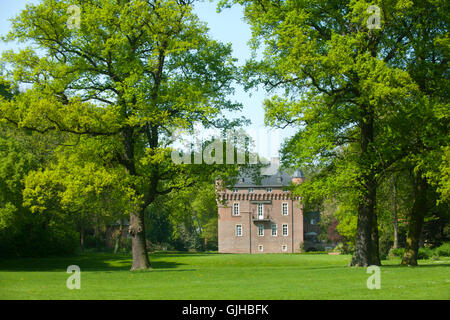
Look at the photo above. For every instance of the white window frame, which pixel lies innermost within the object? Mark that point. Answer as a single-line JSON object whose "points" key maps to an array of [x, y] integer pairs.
{"points": [[284, 248], [269, 190], [274, 229], [283, 229], [260, 248], [236, 205], [260, 205], [251, 190], [261, 230], [236, 230], [287, 209], [235, 190]]}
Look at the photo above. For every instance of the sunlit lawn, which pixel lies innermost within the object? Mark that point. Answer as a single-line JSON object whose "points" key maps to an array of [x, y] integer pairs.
{"points": [[221, 276]]}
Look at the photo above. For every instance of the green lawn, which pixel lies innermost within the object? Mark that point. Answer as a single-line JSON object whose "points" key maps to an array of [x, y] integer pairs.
{"points": [[221, 276]]}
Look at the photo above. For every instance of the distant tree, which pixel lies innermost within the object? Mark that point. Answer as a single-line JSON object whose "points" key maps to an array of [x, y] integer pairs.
{"points": [[23, 233]]}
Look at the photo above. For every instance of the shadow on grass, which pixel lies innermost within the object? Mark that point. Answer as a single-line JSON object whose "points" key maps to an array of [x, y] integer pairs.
{"points": [[175, 254], [418, 266], [86, 262]]}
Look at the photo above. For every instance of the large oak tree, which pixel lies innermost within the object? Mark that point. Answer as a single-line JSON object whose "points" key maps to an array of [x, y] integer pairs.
{"points": [[344, 68], [129, 74]]}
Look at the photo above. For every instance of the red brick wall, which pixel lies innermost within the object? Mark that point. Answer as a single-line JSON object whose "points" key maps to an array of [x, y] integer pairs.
{"points": [[250, 240]]}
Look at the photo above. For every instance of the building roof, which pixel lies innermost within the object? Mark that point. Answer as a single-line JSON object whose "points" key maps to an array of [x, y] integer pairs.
{"points": [[298, 174], [276, 178]]}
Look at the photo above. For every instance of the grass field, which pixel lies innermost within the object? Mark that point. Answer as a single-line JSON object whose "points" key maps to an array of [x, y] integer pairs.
{"points": [[221, 276]]}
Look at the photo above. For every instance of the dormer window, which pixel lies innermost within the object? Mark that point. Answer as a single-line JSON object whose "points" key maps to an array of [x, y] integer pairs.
{"points": [[251, 190], [269, 190], [241, 180], [235, 190], [279, 179]]}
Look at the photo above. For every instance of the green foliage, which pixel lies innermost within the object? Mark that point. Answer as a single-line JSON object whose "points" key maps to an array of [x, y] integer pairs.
{"points": [[396, 252], [185, 220], [193, 217], [28, 235], [348, 218], [116, 89], [158, 226], [23, 233], [345, 248], [353, 93], [314, 252], [443, 250], [425, 253], [444, 175]]}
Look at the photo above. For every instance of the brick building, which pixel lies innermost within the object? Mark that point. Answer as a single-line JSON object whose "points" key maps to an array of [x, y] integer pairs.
{"points": [[261, 218]]}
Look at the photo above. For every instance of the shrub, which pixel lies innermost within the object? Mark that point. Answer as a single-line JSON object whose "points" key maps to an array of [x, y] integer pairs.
{"points": [[90, 241], [345, 248], [397, 252], [443, 250], [315, 252], [435, 257], [302, 247], [425, 253]]}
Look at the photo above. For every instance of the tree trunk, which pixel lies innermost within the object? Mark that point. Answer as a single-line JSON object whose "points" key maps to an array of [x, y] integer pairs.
{"points": [[119, 237], [415, 221], [363, 255], [375, 251], [394, 178], [138, 243], [136, 228], [82, 238], [366, 243]]}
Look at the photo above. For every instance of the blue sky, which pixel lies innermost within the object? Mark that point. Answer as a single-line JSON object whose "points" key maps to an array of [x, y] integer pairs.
{"points": [[227, 27]]}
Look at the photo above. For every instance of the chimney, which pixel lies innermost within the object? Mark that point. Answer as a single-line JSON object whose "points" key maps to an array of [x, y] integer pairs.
{"points": [[273, 167]]}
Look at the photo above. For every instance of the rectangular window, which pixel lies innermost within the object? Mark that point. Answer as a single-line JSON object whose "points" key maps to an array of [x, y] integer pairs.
{"points": [[284, 209], [260, 211], [269, 190], [235, 209], [274, 230], [251, 190], [285, 229], [235, 190], [260, 248], [238, 230], [260, 230], [284, 247]]}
